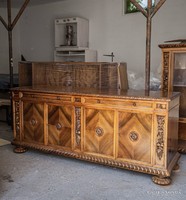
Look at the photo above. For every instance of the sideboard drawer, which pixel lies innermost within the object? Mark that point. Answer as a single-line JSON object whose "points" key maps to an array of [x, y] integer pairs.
{"points": [[45, 97], [119, 103]]}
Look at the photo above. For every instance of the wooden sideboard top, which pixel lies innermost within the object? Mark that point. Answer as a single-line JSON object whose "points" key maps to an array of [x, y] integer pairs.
{"points": [[122, 94]]}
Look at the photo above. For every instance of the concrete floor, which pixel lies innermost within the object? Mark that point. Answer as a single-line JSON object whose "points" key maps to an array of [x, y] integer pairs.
{"points": [[39, 176]]}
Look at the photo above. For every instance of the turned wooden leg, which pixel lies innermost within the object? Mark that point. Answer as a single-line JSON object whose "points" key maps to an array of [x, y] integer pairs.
{"points": [[19, 149], [176, 168], [161, 180]]}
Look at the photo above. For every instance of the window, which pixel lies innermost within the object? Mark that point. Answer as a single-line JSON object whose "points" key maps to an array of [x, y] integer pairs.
{"points": [[130, 8]]}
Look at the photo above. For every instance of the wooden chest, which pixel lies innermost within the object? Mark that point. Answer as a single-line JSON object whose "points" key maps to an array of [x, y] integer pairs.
{"points": [[125, 129]]}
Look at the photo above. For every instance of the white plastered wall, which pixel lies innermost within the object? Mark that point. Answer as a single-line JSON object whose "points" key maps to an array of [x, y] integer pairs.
{"points": [[4, 50], [110, 30]]}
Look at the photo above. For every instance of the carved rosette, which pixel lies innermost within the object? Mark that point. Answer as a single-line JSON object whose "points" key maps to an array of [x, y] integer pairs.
{"points": [[160, 137], [78, 125], [17, 119], [99, 131], [133, 136], [165, 71], [59, 126], [33, 122]]}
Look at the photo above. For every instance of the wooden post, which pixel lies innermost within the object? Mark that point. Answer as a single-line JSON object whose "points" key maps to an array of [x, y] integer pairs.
{"points": [[149, 13], [148, 46], [10, 42], [9, 26]]}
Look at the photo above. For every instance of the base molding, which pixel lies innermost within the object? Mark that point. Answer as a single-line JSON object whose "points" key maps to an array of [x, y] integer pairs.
{"points": [[94, 159]]}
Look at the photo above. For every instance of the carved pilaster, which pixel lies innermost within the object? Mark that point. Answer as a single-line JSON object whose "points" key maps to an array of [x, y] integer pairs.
{"points": [[17, 119], [78, 126], [165, 71], [160, 137]]}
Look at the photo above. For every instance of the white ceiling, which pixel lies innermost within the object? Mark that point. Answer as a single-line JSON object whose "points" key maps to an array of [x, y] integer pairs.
{"points": [[18, 3]]}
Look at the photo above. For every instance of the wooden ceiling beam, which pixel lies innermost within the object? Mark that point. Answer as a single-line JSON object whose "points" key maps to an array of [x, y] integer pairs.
{"points": [[4, 23], [9, 26], [157, 7], [19, 13], [149, 13], [139, 7]]}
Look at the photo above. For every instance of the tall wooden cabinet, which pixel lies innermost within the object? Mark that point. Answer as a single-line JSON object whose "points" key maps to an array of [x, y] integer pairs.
{"points": [[174, 79]]}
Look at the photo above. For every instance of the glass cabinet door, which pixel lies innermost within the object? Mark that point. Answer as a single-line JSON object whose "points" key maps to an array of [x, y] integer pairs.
{"points": [[179, 81], [179, 69]]}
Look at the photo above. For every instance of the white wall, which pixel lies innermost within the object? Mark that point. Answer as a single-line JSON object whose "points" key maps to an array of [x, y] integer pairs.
{"points": [[110, 31], [4, 55]]}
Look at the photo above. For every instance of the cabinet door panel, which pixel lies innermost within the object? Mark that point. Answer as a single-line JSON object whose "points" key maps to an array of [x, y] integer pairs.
{"points": [[135, 136], [99, 132], [33, 122], [59, 125]]}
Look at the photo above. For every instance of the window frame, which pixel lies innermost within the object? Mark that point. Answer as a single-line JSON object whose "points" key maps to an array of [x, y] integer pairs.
{"points": [[127, 3]]}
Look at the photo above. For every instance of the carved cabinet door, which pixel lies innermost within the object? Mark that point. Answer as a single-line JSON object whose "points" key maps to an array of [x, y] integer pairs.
{"points": [[60, 125], [134, 136], [33, 122], [99, 132]]}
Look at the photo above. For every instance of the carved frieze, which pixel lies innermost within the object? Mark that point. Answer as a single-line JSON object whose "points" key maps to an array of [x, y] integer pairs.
{"points": [[160, 137], [78, 125], [165, 71], [160, 106], [17, 119]]}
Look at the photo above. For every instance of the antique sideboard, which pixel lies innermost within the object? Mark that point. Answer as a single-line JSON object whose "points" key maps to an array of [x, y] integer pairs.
{"points": [[174, 79], [134, 130]]}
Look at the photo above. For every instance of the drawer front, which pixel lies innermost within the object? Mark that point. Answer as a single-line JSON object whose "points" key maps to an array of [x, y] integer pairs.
{"points": [[60, 125], [131, 104], [46, 97]]}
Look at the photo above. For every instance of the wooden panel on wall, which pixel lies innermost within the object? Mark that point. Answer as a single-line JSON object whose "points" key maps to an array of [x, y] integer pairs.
{"points": [[75, 74], [59, 125], [86, 77], [109, 75], [60, 75], [33, 117], [25, 73], [99, 132], [135, 136]]}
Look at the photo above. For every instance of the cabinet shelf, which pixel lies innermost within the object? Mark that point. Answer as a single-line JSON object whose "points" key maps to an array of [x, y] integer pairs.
{"points": [[85, 55]]}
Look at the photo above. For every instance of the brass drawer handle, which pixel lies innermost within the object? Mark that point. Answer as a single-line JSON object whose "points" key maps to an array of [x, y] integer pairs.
{"points": [[98, 101], [134, 104]]}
